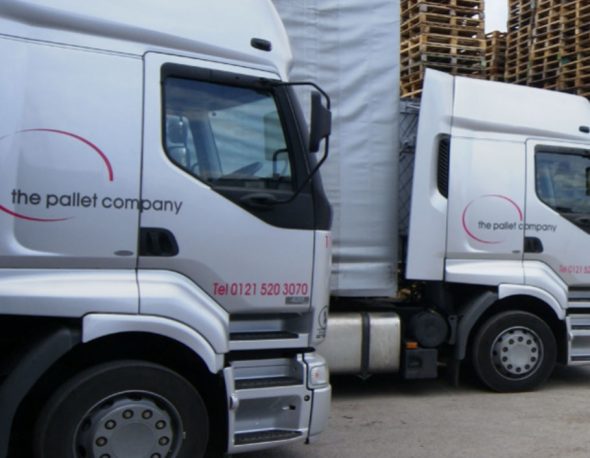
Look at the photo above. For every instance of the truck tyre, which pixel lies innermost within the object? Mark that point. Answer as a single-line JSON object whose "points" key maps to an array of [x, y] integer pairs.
{"points": [[514, 351], [130, 409]]}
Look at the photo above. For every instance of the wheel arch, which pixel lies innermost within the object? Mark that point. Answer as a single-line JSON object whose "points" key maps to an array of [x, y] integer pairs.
{"points": [[95, 326], [135, 345], [489, 303], [43, 348], [172, 414]]}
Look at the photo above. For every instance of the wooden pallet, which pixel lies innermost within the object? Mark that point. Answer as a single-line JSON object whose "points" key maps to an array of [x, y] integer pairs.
{"points": [[440, 24], [453, 43], [547, 23], [456, 64], [576, 74], [412, 7], [495, 55], [544, 76], [547, 45], [544, 83], [416, 71], [460, 4], [520, 14], [516, 74], [496, 50], [545, 65], [518, 44], [446, 35], [545, 8], [411, 90], [411, 79], [567, 76], [575, 23]]}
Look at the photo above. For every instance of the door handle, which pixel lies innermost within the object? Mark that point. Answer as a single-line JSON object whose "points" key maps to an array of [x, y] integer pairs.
{"points": [[156, 241], [259, 200], [533, 245]]}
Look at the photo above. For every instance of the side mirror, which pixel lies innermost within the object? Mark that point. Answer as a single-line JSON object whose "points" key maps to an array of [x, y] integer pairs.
{"points": [[321, 122]]}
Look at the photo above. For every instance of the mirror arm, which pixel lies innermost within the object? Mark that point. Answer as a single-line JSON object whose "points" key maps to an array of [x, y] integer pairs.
{"points": [[326, 143], [309, 176], [315, 86]]}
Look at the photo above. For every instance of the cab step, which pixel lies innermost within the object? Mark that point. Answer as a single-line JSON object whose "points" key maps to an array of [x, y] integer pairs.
{"points": [[271, 382], [271, 435], [269, 402], [265, 340], [579, 342], [266, 335], [580, 359]]}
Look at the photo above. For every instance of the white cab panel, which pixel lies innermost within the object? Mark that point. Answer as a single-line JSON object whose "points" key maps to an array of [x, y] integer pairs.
{"points": [[70, 139]]}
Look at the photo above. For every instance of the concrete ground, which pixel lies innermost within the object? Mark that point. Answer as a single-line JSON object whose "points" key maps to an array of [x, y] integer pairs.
{"points": [[388, 417]]}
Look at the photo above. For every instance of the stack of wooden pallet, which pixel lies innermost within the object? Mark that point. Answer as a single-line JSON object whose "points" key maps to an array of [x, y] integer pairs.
{"points": [[575, 50], [446, 35], [521, 19], [495, 55], [548, 44]]}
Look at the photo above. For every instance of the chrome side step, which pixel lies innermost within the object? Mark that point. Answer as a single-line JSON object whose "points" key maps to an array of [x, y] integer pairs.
{"points": [[271, 435], [248, 384], [269, 403], [578, 326]]}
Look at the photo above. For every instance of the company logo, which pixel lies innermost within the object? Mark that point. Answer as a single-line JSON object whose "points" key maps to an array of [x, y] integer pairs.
{"points": [[35, 202], [35, 198], [489, 218]]}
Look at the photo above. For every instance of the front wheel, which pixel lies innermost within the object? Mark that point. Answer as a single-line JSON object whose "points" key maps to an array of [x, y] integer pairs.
{"points": [[514, 351], [131, 409]]}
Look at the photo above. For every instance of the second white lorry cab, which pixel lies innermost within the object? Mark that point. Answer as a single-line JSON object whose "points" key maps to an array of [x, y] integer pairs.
{"points": [[164, 238], [492, 267], [503, 216], [498, 226]]}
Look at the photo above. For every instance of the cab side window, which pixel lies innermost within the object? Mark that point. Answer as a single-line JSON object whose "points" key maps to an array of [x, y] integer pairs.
{"points": [[562, 180], [226, 136]]}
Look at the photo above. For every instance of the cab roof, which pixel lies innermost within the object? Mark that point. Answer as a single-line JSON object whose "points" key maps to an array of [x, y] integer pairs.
{"points": [[221, 30]]}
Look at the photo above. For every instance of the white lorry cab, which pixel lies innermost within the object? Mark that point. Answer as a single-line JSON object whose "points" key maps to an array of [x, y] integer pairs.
{"points": [[164, 238], [461, 221], [500, 211], [496, 269]]}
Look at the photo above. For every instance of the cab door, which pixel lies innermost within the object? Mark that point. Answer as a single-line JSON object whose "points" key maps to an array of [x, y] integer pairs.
{"points": [[486, 207], [557, 229], [221, 161]]}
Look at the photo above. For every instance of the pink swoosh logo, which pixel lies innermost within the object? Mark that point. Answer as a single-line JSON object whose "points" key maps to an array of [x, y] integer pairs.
{"points": [[83, 140], [31, 218], [471, 234], [88, 143]]}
